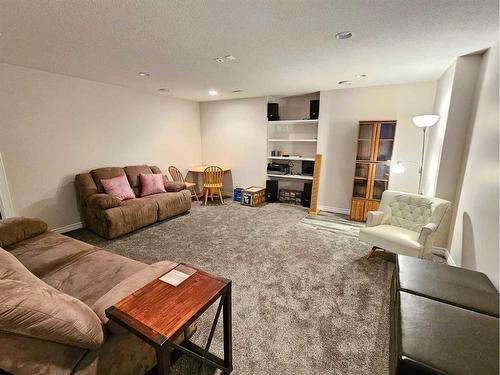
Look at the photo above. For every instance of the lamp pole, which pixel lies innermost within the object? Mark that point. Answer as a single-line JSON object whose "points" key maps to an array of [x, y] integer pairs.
{"points": [[420, 170]]}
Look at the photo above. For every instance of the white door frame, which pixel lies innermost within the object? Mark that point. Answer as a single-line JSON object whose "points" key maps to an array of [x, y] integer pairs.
{"points": [[6, 206]]}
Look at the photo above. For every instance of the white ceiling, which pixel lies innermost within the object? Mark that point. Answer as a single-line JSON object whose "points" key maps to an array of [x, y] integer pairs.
{"points": [[283, 47]]}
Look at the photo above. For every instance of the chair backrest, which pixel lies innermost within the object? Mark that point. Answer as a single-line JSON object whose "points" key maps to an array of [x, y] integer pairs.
{"points": [[411, 211], [175, 174], [213, 176]]}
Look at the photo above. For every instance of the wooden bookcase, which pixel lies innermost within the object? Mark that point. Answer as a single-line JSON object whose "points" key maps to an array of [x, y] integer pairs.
{"points": [[372, 170]]}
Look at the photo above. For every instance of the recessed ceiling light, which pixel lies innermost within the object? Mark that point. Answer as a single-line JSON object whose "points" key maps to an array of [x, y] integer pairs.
{"points": [[230, 57], [345, 83], [219, 59], [212, 92], [361, 75], [237, 91], [343, 35], [164, 90], [144, 74]]}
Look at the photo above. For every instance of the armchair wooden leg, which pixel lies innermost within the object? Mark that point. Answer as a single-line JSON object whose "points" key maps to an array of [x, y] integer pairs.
{"points": [[371, 252], [206, 196], [220, 195]]}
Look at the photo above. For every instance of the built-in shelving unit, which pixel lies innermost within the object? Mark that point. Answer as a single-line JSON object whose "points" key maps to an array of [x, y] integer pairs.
{"points": [[292, 141]]}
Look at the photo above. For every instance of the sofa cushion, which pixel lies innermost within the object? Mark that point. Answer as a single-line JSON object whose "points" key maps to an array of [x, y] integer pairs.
{"points": [[151, 184], [102, 201], [171, 204], [155, 169], [91, 276], [454, 285], [133, 173], [432, 337], [16, 229], [410, 211], [48, 252], [30, 307], [11, 268], [37, 356], [126, 287], [392, 238], [105, 173], [118, 187], [37, 310]]}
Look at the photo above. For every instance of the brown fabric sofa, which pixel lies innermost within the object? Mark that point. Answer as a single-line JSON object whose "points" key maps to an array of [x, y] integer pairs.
{"points": [[90, 280], [110, 218]]}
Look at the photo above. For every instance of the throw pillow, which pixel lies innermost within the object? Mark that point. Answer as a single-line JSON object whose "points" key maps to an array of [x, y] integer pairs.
{"points": [[151, 184], [118, 187]]}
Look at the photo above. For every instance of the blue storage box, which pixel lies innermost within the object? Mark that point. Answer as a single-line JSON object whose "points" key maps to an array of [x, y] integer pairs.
{"points": [[237, 194]]}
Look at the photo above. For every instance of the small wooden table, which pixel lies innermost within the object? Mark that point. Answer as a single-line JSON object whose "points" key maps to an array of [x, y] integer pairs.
{"points": [[199, 169], [158, 312]]}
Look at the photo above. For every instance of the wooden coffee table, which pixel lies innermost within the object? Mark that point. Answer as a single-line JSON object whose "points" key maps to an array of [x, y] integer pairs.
{"points": [[158, 312]]}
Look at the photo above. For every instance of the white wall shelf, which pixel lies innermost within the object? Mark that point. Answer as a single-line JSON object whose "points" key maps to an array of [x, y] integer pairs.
{"points": [[289, 158], [290, 176], [290, 122], [292, 140]]}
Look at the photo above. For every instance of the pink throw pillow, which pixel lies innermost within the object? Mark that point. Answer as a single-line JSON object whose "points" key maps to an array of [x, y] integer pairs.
{"points": [[118, 187], [151, 184]]}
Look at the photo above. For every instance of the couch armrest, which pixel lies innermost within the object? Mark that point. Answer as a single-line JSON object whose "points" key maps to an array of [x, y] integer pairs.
{"points": [[374, 218], [426, 231], [102, 201], [174, 186], [17, 229]]}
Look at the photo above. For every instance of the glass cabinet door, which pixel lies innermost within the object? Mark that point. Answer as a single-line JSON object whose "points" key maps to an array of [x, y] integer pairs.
{"points": [[361, 180], [365, 139], [380, 180], [387, 132]]}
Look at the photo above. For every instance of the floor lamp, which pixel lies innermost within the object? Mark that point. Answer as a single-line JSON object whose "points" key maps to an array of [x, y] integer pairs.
{"points": [[423, 122]]}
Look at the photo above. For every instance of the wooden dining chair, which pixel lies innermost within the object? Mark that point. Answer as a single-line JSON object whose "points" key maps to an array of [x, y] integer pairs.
{"points": [[177, 176], [212, 182]]}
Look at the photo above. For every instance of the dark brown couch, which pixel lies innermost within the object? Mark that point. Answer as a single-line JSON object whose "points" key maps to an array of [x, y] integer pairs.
{"points": [[85, 280], [110, 218]]}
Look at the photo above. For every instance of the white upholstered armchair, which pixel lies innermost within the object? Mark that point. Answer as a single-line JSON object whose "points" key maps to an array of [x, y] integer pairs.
{"points": [[405, 223]]}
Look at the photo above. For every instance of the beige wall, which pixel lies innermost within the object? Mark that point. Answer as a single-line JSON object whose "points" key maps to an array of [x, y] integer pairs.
{"points": [[447, 139], [435, 134], [54, 126], [234, 133], [474, 242], [340, 112]]}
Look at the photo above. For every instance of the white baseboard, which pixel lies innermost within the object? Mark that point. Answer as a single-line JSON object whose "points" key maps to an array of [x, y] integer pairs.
{"points": [[335, 210], [68, 228], [441, 251]]}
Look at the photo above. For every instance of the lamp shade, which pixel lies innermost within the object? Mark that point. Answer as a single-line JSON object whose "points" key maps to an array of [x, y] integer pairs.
{"points": [[398, 168], [425, 121]]}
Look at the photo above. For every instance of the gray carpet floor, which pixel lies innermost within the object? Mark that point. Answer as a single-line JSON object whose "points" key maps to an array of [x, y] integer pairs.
{"points": [[305, 300]]}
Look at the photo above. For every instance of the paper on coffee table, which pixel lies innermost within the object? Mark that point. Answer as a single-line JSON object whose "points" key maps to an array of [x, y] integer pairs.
{"points": [[177, 275]]}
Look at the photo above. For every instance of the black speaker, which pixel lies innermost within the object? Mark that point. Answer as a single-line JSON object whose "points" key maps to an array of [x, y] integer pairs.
{"points": [[271, 191], [314, 109], [306, 194], [273, 111]]}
